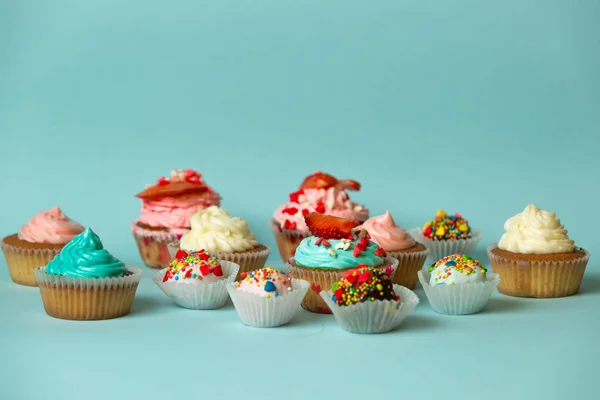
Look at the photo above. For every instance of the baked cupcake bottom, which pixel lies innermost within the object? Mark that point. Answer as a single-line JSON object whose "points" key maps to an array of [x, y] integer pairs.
{"points": [[410, 262], [87, 298], [152, 243], [538, 275], [323, 279], [287, 240], [248, 260], [23, 257]]}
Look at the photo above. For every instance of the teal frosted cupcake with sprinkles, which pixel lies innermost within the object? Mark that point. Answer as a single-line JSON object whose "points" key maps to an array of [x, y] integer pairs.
{"points": [[458, 284], [197, 280], [85, 282], [365, 300]]}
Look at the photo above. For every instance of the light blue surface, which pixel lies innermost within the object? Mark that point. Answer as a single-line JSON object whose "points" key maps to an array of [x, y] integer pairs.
{"points": [[479, 107]]}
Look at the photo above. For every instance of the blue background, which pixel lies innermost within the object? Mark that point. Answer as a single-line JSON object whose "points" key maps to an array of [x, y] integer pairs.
{"points": [[480, 107]]}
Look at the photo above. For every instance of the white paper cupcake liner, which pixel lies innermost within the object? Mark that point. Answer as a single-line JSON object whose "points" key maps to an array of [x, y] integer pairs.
{"points": [[439, 249], [467, 298], [373, 316], [75, 298], [409, 263], [22, 262], [195, 294], [262, 312]]}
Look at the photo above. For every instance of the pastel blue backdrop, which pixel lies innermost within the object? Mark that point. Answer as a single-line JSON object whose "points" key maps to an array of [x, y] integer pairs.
{"points": [[480, 107]]}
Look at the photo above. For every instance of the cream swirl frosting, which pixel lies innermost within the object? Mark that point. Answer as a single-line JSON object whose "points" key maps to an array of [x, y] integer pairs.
{"points": [[384, 231], [214, 230], [535, 231], [50, 226]]}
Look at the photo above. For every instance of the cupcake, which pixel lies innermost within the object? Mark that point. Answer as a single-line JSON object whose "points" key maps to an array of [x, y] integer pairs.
{"points": [[320, 193], [399, 244], [197, 280], [227, 237], [167, 207], [447, 234], [536, 258], [85, 282], [37, 242], [335, 247], [457, 284], [267, 297], [365, 300]]}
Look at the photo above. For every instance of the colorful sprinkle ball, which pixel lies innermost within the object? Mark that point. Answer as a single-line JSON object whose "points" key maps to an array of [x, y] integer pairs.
{"points": [[363, 284], [196, 265], [455, 264], [447, 227], [267, 282]]}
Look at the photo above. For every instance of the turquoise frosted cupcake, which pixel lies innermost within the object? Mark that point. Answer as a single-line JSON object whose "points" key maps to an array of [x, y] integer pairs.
{"points": [[86, 282]]}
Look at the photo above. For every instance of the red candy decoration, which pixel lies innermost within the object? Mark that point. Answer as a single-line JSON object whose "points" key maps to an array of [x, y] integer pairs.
{"points": [[320, 207], [290, 210], [204, 270], [181, 255], [295, 195], [217, 270]]}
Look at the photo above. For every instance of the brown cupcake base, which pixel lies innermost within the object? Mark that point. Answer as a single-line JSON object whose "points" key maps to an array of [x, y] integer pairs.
{"points": [[538, 275], [410, 262], [287, 240], [23, 257]]}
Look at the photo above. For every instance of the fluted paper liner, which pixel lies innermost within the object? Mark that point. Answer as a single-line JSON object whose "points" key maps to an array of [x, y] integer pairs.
{"points": [[196, 294], [247, 260], [377, 316], [287, 239], [23, 261], [466, 298], [324, 278], [262, 312], [409, 263], [74, 298], [153, 249], [541, 279], [439, 249]]}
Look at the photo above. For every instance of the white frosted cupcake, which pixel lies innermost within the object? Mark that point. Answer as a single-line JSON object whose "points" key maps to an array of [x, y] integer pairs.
{"points": [[197, 280], [228, 238], [267, 297], [457, 284]]}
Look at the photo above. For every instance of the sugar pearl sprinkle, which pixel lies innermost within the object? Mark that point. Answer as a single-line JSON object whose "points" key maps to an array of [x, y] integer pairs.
{"points": [[447, 227], [181, 175], [182, 267], [363, 284], [459, 263], [268, 282]]}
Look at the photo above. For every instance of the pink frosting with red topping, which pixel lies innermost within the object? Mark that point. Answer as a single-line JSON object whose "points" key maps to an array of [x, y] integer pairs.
{"points": [[384, 231], [50, 226], [176, 211], [330, 201]]}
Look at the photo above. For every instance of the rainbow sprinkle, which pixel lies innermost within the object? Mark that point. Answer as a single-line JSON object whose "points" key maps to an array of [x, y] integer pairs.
{"points": [[447, 227]]}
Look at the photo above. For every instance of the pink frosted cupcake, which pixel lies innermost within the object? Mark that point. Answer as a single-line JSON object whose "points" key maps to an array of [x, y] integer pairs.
{"points": [[321, 193], [399, 244], [37, 242], [167, 207]]}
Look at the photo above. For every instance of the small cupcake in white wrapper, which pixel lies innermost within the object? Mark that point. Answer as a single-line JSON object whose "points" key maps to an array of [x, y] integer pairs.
{"points": [[458, 285], [366, 301], [266, 297], [85, 282], [447, 234], [197, 281], [228, 238]]}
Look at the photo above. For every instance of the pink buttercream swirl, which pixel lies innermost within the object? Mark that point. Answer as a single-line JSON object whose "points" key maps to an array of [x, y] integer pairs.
{"points": [[50, 226], [331, 201], [387, 234], [174, 212]]}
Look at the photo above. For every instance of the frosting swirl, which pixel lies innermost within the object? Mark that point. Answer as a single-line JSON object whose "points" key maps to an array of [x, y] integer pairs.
{"points": [[214, 230], [535, 231], [384, 231], [50, 226], [85, 257]]}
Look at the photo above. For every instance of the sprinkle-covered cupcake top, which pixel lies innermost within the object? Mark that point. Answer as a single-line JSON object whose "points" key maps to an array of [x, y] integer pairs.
{"points": [[195, 267], [50, 226], [363, 284], [457, 269], [535, 231], [216, 231], [336, 244], [265, 282], [85, 257], [321, 193], [384, 231], [447, 227]]}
